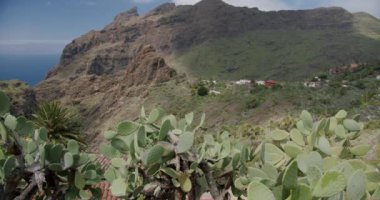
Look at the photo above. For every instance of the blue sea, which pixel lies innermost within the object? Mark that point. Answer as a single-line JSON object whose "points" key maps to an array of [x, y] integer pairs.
{"points": [[29, 68]]}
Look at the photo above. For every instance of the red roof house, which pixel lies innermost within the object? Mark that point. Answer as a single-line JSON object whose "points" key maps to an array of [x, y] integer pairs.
{"points": [[270, 83]]}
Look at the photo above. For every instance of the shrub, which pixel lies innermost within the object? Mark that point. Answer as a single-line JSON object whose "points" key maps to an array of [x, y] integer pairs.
{"points": [[257, 88], [276, 87], [31, 166], [252, 102], [58, 122], [202, 91], [360, 84], [323, 76]]}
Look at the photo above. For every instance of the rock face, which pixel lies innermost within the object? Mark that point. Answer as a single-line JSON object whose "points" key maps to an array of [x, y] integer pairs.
{"points": [[147, 68], [99, 94]]}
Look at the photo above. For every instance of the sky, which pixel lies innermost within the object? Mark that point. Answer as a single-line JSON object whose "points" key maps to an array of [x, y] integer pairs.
{"points": [[45, 26]]}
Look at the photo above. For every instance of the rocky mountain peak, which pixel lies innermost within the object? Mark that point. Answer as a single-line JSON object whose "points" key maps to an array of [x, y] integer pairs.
{"points": [[162, 9], [125, 16]]}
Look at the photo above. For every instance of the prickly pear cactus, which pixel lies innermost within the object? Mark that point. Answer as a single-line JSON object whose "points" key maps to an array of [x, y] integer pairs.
{"points": [[31, 165], [156, 157], [316, 160]]}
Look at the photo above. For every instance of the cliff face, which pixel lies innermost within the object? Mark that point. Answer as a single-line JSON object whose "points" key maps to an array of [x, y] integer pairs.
{"points": [[148, 68]]}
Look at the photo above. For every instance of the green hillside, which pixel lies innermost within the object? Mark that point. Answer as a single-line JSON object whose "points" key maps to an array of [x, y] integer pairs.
{"points": [[367, 25], [281, 54]]}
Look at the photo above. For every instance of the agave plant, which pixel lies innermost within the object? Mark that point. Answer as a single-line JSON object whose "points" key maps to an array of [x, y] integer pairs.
{"points": [[58, 122]]}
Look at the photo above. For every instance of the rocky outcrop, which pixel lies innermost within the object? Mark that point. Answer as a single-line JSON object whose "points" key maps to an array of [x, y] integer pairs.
{"points": [[126, 16], [148, 67], [96, 66]]}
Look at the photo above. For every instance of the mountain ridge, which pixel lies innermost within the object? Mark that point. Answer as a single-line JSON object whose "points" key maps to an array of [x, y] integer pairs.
{"points": [[174, 30]]}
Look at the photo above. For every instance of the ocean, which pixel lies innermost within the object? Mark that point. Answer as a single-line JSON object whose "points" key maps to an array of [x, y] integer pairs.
{"points": [[28, 68]]}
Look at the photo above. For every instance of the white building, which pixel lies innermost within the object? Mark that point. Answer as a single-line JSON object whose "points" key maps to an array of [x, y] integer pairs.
{"points": [[215, 92], [312, 84], [260, 82], [243, 82]]}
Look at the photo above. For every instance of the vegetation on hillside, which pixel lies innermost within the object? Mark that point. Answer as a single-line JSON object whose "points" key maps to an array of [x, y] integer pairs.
{"points": [[277, 54], [236, 105]]}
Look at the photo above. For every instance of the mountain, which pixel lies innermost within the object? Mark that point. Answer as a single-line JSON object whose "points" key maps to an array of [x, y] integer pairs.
{"points": [[214, 39], [107, 75]]}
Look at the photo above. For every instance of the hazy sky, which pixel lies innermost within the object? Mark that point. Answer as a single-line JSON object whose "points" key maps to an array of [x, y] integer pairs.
{"points": [[45, 26]]}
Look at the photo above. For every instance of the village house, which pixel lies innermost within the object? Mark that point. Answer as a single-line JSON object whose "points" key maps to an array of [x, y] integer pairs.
{"points": [[243, 82], [270, 83], [314, 83], [260, 82]]}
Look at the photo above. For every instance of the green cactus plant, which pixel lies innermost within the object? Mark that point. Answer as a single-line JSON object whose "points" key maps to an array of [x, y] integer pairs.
{"points": [[162, 157], [33, 166]]}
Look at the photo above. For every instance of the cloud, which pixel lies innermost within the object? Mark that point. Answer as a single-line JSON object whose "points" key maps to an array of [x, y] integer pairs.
{"points": [[370, 6]]}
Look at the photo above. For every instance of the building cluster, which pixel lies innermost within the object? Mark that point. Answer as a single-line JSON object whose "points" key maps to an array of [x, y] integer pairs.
{"points": [[266, 83], [314, 83]]}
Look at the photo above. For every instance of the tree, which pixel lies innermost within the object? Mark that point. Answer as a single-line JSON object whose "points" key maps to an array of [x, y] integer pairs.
{"points": [[203, 90]]}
